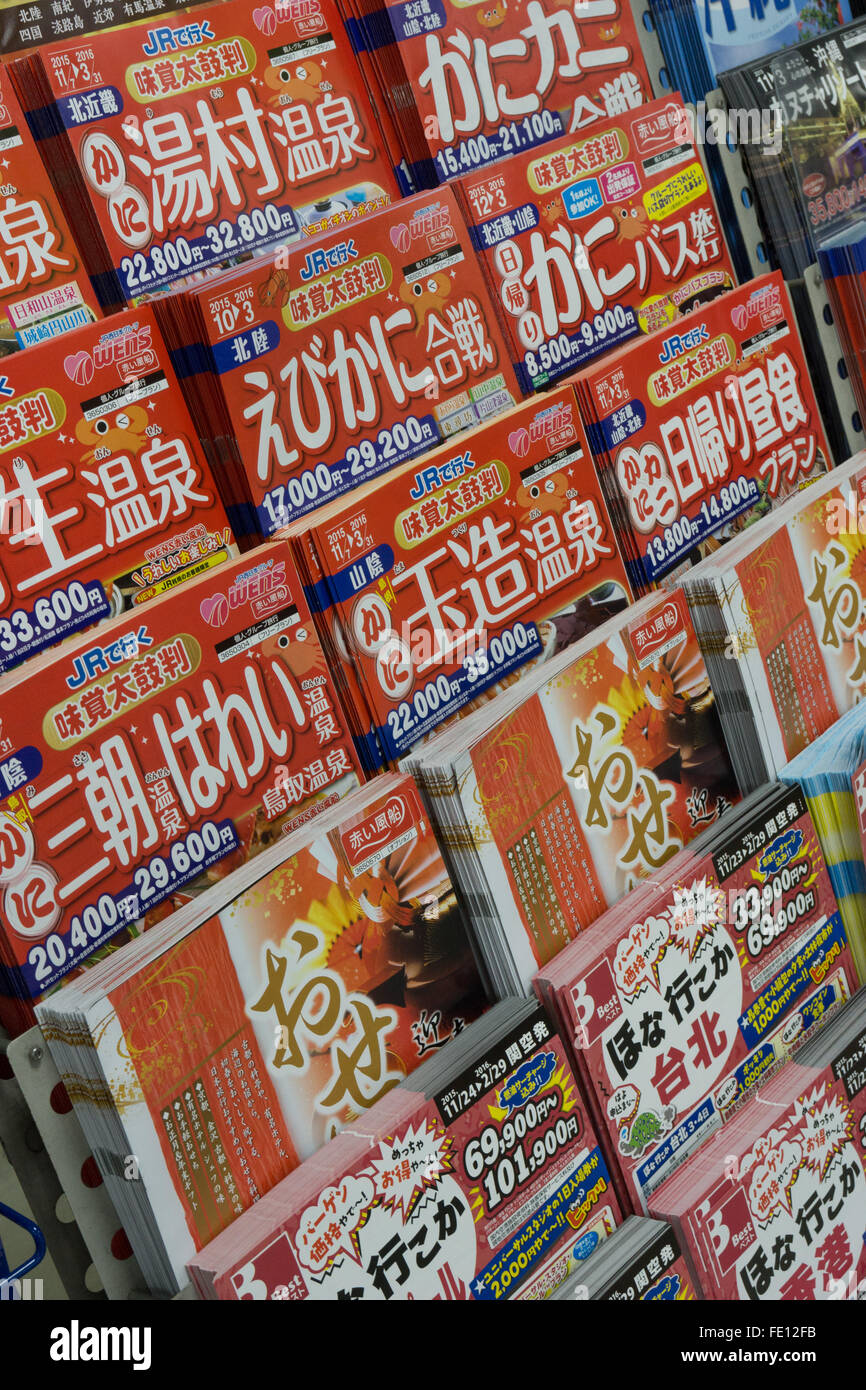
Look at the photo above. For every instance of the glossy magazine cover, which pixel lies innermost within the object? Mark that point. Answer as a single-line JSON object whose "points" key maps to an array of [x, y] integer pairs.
{"points": [[820, 88], [735, 31], [705, 429], [773, 1207], [798, 612], [595, 238], [699, 993], [659, 1276], [44, 288], [458, 571], [466, 1195], [592, 783], [164, 751], [286, 1014], [207, 136], [339, 361], [108, 501], [491, 78]]}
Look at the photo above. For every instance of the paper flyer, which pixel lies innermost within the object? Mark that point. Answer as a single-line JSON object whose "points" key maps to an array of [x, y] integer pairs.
{"points": [[598, 237], [457, 572], [166, 753], [210, 135]]}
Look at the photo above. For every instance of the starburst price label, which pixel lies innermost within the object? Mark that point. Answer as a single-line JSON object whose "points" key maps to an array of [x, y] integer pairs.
{"points": [[473, 1194]]}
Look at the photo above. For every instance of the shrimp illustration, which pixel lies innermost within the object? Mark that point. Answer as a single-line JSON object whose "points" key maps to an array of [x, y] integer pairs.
{"points": [[275, 290]]}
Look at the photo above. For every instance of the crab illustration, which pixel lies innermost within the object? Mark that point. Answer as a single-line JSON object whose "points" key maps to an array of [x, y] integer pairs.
{"points": [[120, 431], [304, 83], [551, 211], [634, 222], [547, 495], [427, 294]]}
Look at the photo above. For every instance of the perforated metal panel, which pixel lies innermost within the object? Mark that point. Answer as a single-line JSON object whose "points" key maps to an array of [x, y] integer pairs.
{"points": [[825, 327], [742, 194], [840, 412], [63, 1184], [99, 1262], [652, 49], [35, 1173]]}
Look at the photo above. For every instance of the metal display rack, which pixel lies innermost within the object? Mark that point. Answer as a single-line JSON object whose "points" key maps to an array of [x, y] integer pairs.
{"points": [[59, 1176], [77, 1220], [824, 326], [651, 48], [815, 317], [10, 1279]]}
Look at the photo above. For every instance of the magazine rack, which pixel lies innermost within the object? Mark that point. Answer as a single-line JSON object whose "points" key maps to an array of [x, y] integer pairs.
{"points": [[741, 192], [26, 1153], [73, 1214], [824, 327]]}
